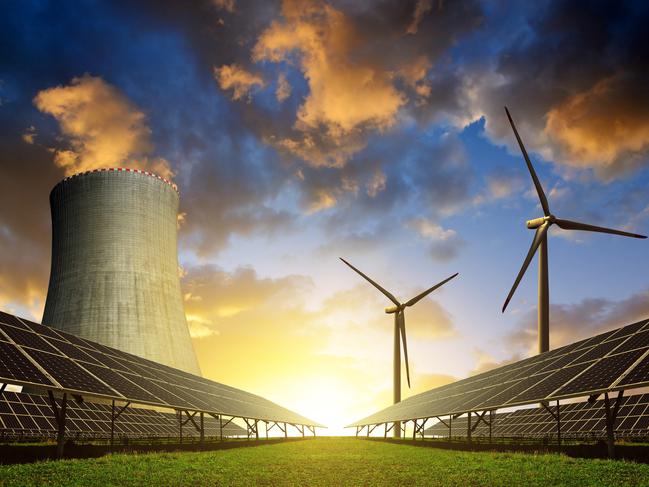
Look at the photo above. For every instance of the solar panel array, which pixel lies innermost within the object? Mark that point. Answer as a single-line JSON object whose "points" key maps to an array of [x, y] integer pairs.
{"points": [[30, 415], [614, 360], [578, 420], [40, 356]]}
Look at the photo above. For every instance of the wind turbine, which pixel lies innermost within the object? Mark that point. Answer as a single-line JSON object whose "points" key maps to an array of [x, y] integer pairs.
{"points": [[399, 328], [540, 243]]}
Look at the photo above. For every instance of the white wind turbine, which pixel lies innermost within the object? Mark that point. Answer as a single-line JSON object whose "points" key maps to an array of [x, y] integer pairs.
{"points": [[540, 242], [399, 329]]}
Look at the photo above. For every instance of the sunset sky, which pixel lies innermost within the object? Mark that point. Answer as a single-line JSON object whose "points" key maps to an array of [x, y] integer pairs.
{"points": [[301, 131]]}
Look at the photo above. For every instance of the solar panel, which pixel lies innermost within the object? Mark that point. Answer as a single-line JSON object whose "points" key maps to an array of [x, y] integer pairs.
{"points": [[610, 361], [15, 367], [578, 420], [20, 417], [33, 354]]}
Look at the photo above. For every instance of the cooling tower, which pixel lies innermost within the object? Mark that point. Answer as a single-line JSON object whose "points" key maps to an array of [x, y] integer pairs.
{"points": [[114, 276]]}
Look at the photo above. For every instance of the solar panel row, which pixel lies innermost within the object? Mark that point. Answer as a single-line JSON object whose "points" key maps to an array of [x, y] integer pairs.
{"points": [[578, 420], [30, 415], [40, 356], [614, 360]]}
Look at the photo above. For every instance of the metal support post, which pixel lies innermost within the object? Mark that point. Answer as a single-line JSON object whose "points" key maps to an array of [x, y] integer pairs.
{"points": [[113, 417], [220, 427], [180, 426], [469, 429], [611, 416], [202, 429], [414, 429], [491, 421], [557, 417], [59, 415], [285, 431], [558, 423]]}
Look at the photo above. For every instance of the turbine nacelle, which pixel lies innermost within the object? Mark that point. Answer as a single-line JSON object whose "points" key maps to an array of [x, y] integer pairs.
{"points": [[537, 222], [393, 309]]}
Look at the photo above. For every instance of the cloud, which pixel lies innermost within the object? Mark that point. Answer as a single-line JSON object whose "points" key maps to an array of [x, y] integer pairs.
{"points": [[30, 135], [605, 126], [283, 90], [573, 322], [574, 86], [101, 125], [445, 242], [344, 95], [241, 82], [421, 9], [227, 5]]}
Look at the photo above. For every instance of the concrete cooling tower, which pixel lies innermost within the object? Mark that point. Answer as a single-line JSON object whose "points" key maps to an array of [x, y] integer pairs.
{"points": [[114, 276]]}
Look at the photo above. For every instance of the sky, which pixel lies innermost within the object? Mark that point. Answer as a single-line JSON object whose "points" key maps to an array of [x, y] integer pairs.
{"points": [[302, 131]]}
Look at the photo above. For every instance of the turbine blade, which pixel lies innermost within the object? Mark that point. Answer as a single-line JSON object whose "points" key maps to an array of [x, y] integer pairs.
{"points": [[375, 284], [570, 225], [535, 179], [428, 291], [538, 238], [402, 326]]}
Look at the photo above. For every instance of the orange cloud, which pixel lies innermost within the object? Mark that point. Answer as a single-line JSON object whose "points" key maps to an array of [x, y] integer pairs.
{"points": [[345, 95], [103, 128], [234, 77], [600, 127], [283, 90]]}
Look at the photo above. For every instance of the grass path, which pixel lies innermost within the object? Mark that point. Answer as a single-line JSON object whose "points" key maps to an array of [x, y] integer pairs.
{"points": [[329, 461]]}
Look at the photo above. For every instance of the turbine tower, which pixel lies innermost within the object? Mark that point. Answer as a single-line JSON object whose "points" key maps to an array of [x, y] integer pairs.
{"points": [[399, 329], [540, 243]]}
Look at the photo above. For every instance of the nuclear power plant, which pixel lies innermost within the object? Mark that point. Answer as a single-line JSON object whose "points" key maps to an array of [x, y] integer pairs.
{"points": [[115, 275]]}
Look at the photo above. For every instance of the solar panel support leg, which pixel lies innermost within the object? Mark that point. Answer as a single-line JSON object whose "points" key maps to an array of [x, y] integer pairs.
{"points": [[220, 427], [450, 426], [112, 424], [611, 416], [257, 429], [558, 423], [285, 431], [556, 416], [491, 420], [180, 426], [59, 415], [266, 429], [202, 429], [113, 418], [469, 429]]}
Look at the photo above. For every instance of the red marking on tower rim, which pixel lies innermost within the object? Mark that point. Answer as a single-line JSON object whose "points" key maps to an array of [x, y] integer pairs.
{"points": [[124, 169]]}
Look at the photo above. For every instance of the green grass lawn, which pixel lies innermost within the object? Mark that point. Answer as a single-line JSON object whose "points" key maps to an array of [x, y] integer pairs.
{"points": [[329, 461]]}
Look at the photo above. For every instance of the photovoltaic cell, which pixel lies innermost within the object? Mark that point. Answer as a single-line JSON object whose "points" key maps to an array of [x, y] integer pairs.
{"points": [[27, 339], [14, 366], [69, 374], [601, 374]]}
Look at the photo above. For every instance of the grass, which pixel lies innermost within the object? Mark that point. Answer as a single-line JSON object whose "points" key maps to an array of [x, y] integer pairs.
{"points": [[328, 461]]}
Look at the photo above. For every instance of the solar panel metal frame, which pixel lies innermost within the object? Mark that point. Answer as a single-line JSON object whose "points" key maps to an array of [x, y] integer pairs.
{"points": [[581, 420], [448, 400], [92, 420]]}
